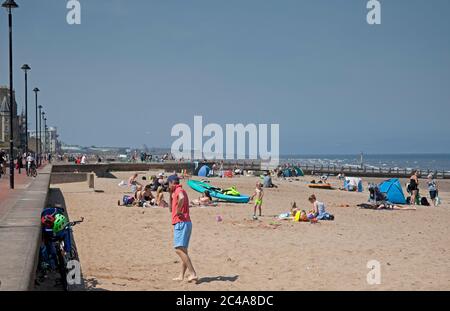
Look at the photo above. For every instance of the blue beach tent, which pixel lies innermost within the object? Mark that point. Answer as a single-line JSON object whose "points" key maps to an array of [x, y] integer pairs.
{"points": [[204, 171], [393, 191], [287, 173]]}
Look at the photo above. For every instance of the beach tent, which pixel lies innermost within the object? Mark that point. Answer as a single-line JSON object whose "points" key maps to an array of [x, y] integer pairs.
{"points": [[393, 191], [299, 171], [204, 171], [353, 184], [287, 172]]}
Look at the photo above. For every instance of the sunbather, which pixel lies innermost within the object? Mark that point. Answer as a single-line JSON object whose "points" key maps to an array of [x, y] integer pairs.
{"points": [[204, 200]]}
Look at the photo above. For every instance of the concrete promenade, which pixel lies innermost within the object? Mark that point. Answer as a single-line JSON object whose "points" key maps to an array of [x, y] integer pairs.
{"points": [[20, 228]]}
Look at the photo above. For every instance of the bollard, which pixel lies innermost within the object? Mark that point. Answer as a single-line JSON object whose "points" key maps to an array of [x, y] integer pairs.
{"points": [[91, 178]]}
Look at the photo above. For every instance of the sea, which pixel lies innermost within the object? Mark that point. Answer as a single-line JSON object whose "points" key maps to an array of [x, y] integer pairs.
{"points": [[439, 162]]}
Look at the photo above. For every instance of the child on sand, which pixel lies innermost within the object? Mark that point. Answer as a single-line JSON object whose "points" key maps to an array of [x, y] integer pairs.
{"points": [[319, 209], [258, 196]]}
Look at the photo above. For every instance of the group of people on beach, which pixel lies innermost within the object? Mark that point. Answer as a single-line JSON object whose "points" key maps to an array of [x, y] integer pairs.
{"points": [[413, 189]]}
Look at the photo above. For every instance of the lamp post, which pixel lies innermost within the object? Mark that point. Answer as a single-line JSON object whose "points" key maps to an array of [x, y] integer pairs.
{"points": [[26, 68], [45, 136], [39, 133], [42, 131], [36, 91], [9, 5]]}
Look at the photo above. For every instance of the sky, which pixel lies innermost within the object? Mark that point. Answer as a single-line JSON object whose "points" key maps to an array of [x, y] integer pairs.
{"points": [[135, 68]]}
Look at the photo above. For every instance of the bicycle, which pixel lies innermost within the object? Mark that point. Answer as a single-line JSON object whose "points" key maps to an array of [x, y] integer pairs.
{"points": [[59, 245], [32, 171], [65, 251]]}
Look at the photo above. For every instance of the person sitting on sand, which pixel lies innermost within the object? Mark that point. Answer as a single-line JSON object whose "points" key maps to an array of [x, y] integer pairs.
{"points": [[133, 183], [160, 201], [259, 194], [267, 181], [319, 209], [145, 197], [204, 200]]}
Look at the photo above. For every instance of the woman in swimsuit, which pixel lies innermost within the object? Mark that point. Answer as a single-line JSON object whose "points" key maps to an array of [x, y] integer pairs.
{"points": [[145, 196], [204, 200], [414, 187], [160, 197]]}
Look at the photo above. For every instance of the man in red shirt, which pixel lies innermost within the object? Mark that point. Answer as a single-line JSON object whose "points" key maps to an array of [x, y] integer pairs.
{"points": [[182, 227]]}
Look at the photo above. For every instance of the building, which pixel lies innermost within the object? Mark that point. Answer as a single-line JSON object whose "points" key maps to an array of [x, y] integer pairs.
{"points": [[47, 143], [5, 121]]}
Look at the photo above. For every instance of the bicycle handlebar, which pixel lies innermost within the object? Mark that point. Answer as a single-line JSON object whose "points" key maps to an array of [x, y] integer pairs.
{"points": [[74, 223]]}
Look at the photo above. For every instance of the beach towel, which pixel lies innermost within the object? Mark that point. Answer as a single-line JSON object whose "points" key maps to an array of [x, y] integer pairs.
{"points": [[284, 216]]}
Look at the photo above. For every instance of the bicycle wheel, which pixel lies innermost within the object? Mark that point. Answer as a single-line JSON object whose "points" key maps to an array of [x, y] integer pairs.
{"points": [[62, 266]]}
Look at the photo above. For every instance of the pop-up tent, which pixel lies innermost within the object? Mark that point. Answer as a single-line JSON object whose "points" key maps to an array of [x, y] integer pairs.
{"points": [[287, 172], [393, 191], [299, 171], [204, 171], [353, 184]]}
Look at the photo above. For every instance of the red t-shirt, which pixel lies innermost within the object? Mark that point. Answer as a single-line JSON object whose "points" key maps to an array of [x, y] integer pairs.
{"points": [[184, 209]]}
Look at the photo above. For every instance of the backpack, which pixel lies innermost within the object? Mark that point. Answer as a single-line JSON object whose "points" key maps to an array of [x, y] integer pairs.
{"points": [[127, 200], [424, 201]]}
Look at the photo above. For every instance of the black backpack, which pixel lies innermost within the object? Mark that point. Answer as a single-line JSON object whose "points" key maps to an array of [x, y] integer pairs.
{"points": [[424, 201]]}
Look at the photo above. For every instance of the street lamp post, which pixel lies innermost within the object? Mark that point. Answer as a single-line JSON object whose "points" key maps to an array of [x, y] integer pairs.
{"points": [[40, 137], [9, 5], [42, 132], [26, 68], [45, 136], [36, 91]]}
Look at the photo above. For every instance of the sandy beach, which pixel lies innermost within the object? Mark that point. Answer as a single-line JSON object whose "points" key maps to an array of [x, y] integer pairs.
{"points": [[130, 248]]}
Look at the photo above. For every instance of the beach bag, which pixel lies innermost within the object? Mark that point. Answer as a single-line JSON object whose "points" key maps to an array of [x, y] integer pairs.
{"points": [[127, 200], [424, 201], [437, 201]]}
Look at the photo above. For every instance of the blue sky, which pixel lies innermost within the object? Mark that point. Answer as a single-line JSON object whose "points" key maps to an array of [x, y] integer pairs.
{"points": [[134, 68]]}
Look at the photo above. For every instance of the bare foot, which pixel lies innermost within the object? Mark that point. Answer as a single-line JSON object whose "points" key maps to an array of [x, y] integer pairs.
{"points": [[193, 279], [178, 279]]}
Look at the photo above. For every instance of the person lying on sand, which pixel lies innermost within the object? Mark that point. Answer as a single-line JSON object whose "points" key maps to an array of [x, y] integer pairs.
{"points": [[386, 206], [294, 209], [204, 200]]}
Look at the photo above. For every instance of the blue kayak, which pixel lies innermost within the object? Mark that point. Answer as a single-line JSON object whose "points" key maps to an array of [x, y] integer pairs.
{"points": [[216, 192]]}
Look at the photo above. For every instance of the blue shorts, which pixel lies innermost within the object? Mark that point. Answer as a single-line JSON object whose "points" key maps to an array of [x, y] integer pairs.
{"points": [[182, 234]]}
